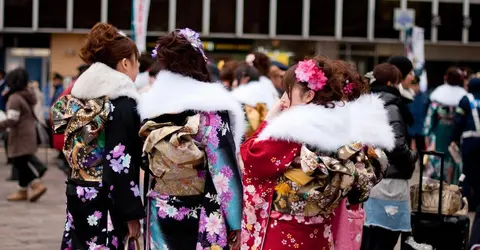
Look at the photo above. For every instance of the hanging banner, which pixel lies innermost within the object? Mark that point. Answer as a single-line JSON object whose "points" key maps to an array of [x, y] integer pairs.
{"points": [[415, 51], [140, 11]]}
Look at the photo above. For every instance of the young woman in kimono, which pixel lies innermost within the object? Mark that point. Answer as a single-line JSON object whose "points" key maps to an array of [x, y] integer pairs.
{"points": [[192, 131], [99, 121], [308, 156], [439, 123], [254, 95]]}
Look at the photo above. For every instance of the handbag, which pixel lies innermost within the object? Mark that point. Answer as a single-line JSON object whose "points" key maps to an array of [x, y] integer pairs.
{"points": [[127, 243]]}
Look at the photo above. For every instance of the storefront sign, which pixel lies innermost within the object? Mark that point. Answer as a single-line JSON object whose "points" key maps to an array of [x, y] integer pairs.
{"points": [[139, 23], [403, 18]]}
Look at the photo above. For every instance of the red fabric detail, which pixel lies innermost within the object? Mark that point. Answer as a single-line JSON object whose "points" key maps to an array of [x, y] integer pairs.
{"points": [[58, 139], [289, 235], [263, 162]]}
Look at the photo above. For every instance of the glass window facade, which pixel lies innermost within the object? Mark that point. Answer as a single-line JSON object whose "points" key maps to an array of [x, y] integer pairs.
{"points": [[384, 19], [474, 34], [120, 13], [289, 17], [222, 16], [322, 18], [189, 14], [80, 19], [52, 14], [423, 16], [256, 16], [451, 15], [18, 13], [355, 18], [158, 15]]}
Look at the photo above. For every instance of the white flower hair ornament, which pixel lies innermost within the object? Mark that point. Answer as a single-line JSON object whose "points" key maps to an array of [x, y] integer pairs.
{"points": [[249, 59]]}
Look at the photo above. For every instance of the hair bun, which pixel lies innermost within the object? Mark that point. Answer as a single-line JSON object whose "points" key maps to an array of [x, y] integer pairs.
{"points": [[100, 36]]}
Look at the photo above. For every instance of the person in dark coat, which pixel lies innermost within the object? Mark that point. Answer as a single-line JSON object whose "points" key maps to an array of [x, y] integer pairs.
{"points": [[467, 130], [58, 87], [387, 210], [418, 108]]}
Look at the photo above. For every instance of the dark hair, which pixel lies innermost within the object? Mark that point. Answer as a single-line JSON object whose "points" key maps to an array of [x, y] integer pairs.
{"points": [[176, 54], [262, 63], [386, 72], [454, 76], [2, 73], [145, 61], [57, 76], [227, 74], [331, 92], [245, 70], [214, 71], [105, 44], [154, 69], [82, 68], [349, 72], [17, 80]]}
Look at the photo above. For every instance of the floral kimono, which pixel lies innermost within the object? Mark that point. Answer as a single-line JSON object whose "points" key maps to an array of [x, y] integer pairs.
{"points": [[439, 126], [257, 99], [192, 132], [286, 206], [104, 152]]}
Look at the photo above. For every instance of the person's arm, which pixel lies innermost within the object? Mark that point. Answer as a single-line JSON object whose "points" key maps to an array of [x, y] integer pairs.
{"points": [[266, 159], [401, 154], [460, 119], [122, 163], [13, 113]]}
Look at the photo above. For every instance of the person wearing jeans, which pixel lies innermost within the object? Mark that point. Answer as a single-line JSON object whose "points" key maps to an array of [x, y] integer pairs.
{"points": [[22, 137]]}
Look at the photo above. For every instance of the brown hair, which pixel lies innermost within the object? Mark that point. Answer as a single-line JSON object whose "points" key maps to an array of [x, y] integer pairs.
{"points": [[145, 61], [105, 44], [227, 74], [331, 92], [245, 70], [454, 76], [262, 63], [350, 75], [386, 72], [176, 54]]}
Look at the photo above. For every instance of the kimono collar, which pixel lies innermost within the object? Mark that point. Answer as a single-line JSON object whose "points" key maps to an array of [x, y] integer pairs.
{"points": [[364, 120], [173, 93], [448, 95], [255, 92], [101, 80]]}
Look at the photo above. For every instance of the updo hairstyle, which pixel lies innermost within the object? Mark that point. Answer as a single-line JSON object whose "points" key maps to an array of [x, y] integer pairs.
{"points": [[262, 63], [245, 70], [352, 80], [454, 76], [176, 54], [105, 44], [330, 93]]}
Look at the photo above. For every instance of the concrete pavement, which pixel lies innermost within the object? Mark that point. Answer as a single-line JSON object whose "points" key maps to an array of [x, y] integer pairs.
{"points": [[32, 226]]}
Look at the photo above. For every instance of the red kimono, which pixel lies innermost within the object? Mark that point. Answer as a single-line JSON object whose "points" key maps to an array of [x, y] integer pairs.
{"points": [[275, 148]]}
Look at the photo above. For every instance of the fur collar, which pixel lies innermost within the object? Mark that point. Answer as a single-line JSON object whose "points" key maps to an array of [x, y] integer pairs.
{"points": [[100, 80], [364, 120], [255, 92], [448, 95], [174, 93]]}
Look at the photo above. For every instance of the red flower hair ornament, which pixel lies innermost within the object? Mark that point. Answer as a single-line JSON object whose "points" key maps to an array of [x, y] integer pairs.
{"points": [[308, 72]]}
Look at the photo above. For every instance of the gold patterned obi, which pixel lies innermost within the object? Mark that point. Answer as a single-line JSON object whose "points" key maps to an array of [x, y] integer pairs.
{"points": [[175, 158], [255, 116], [318, 182], [83, 123]]}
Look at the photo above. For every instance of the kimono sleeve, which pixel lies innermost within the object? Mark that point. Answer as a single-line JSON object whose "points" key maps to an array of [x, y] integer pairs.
{"points": [[123, 160], [431, 119], [267, 159]]}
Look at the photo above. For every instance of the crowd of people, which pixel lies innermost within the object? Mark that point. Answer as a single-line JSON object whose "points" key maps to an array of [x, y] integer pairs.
{"points": [[254, 155]]}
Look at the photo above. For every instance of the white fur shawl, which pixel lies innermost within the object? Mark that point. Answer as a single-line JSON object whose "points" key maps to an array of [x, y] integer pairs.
{"points": [[363, 120], [255, 92], [448, 95], [173, 93], [100, 80]]}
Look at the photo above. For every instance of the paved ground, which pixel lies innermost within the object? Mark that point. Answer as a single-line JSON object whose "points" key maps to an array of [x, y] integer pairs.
{"points": [[32, 226]]}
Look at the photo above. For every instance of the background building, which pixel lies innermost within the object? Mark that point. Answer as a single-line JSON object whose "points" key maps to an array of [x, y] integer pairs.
{"points": [[45, 35]]}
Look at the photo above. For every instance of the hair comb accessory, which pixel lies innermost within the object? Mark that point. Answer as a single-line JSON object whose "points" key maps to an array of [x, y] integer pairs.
{"points": [[194, 39], [370, 77], [155, 52], [308, 71], [349, 87], [249, 59], [122, 33]]}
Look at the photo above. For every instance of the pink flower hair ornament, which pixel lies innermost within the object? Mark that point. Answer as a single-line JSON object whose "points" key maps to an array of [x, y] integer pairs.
{"points": [[308, 72], [349, 87]]}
